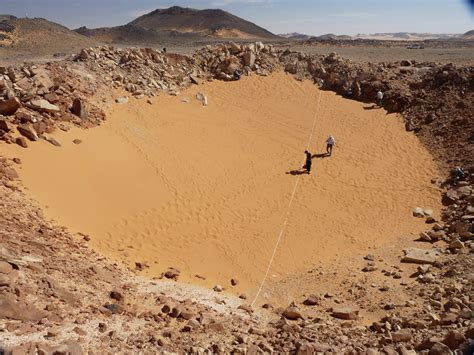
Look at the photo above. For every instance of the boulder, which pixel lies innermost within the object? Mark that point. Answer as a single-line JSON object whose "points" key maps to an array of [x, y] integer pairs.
{"points": [[9, 106], [5, 125], [292, 313], [453, 339], [344, 313], [28, 132], [121, 100], [42, 106], [195, 80], [418, 212], [249, 59], [21, 141], [419, 256], [11, 309], [79, 109], [312, 300]]}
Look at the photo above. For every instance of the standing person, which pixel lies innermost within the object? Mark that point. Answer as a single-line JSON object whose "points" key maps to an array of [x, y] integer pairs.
{"points": [[307, 165], [330, 142], [379, 98]]}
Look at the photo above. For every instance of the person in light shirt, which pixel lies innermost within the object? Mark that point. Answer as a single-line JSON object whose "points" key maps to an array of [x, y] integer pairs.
{"points": [[330, 142], [379, 98]]}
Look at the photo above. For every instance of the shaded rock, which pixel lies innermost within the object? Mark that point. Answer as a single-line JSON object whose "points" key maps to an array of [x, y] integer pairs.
{"points": [[21, 141], [312, 300], [172, 273], [9, 106], [116, 295], [5, 125], [114, 308], [77, 141], [454, 339], [79, 109], [439, 349], [234, 282], [28, 132]]}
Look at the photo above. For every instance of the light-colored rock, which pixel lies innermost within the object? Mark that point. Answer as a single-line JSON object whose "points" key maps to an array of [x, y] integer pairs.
{"points": [[420, 256], [418, 212], [42, 106], [121, 100]]}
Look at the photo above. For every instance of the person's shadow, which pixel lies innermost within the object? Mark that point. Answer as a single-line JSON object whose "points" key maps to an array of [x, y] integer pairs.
{"points": [[373, 107], [297, 172], [320, 155]]}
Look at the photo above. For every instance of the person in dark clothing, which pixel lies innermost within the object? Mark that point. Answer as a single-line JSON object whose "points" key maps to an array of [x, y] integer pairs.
{"points": [[308, 163], [237, 74]]}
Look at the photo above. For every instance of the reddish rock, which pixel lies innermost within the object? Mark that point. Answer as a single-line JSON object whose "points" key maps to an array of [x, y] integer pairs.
{"points": [[5, 125], [453, 339], [21, 141], [292, 313], [312, 300], [345, 313], [27, 131], [9, 106], [9, 308]]}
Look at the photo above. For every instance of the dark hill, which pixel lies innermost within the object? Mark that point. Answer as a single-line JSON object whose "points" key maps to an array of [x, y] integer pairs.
{"points": [[180, 24]]}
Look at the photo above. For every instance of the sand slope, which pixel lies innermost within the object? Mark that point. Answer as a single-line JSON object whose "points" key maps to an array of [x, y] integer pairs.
{"points": [[205, 189]]}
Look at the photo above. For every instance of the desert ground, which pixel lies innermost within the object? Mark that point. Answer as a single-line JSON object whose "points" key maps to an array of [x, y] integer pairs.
{"points": [[136, 218], [205, 188]]}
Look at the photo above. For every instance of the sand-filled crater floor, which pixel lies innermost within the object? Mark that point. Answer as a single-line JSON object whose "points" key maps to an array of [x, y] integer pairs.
{"points": [[205, 189]]}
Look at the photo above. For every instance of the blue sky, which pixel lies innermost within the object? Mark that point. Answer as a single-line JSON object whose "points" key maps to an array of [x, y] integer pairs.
{"points": [[279, 16]]}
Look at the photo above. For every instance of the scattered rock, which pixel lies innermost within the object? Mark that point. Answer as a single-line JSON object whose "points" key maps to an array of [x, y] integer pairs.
{"points": [[312, 300], [42, 106], [9, 106], [419, 256], [292, 313], [345, 313], [28, 131], [21, 141]]}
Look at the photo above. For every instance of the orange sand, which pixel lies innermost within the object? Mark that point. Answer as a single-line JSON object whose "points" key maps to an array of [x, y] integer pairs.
{"points": [[205, 189]]}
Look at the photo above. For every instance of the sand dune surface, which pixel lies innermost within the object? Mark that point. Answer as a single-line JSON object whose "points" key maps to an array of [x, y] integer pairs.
{"points": [[206, 189]]}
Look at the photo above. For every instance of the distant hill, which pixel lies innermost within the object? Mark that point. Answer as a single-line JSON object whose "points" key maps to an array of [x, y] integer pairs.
{"points": [[295, 36], [180, 23], [469, 35], [331, 37], [37, 36], [404, 36]]}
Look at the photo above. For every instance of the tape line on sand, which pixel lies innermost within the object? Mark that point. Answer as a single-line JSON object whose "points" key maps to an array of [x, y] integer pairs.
{"points": [[288, 209]]}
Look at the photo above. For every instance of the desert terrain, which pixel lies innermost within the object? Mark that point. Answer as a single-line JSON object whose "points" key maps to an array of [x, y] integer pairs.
{"points": [[155, 201]]}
